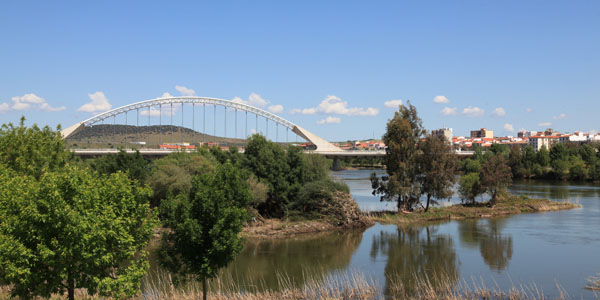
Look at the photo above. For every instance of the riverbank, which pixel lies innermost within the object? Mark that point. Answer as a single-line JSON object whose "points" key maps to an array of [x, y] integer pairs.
{"points": [[338, 212], [511, 205]]}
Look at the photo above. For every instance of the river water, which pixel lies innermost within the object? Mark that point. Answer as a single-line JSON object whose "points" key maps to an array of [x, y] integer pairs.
{"points": [[542, 248]]}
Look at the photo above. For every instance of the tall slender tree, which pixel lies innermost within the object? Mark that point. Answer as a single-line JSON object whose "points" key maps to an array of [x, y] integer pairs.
{"points": [[437, 166], [403, 134], [496, 176]]}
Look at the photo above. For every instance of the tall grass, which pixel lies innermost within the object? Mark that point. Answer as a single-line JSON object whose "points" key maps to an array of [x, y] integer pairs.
{"points": [[339, 286]]}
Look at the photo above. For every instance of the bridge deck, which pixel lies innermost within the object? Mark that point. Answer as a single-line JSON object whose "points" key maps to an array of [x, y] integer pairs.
{"points": [[165, 152]]}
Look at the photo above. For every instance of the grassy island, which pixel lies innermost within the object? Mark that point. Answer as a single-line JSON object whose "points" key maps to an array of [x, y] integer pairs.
{"points": [[507, 205]]}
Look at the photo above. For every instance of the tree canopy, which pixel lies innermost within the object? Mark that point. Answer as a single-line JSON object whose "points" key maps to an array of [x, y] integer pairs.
{"points": [[403, 134], [206, 223], [70, 229]]}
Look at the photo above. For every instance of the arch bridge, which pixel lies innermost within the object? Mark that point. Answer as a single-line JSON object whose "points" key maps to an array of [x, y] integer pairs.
{"points": [[154, 107]]}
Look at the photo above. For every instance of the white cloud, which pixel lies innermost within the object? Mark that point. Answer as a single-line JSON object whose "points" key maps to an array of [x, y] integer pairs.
{"points": [[98, 104], [528, 110], [166, 95], [28, 101], [392, 103], [545, 124], [4, 107], [560, 117], [441, 99], [329, 120], [508, 127], [334, 105], [276, 108], [499, 112], [473, 112], [239, 100], [257, 100], [185, 91], [305, 111], [449, 111]]}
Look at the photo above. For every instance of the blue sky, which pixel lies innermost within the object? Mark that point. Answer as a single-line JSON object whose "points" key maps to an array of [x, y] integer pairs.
{"points": [[497, 63]]}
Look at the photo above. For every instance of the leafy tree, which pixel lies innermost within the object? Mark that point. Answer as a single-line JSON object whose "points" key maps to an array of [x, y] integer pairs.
{"points": [[496, 176], [172, 175], [31, 150], [543, 157], [578, 170], [471, 166], [268, 162], [70, 229], [469, 187], [529, 161], [133, 164], [206, 223], [558, 152], [515, 161], [437, 166], [588, 154], [403, 133]]}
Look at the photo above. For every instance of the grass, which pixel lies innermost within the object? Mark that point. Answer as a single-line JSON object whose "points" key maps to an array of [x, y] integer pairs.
{"points": [[509, 205], [340, 286]]}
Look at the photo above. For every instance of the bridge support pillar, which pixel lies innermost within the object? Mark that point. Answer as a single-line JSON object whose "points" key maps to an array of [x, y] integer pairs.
{"points": [[337, 165]]}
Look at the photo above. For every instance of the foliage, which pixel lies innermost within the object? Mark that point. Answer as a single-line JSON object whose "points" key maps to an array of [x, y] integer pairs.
{"points": [[206, 223], [70, 229], [285, 170], [31, 150], [172, 175], [403, 133], [134, 165], [563, 162], [495, 176], [315, 194], [470, 187], [437, 167]]}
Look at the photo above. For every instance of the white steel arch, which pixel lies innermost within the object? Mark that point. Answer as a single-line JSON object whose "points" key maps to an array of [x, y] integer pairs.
{"points": [[321, 144]]}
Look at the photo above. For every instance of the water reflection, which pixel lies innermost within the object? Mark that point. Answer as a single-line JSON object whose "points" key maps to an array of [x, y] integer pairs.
{"points": [[264, 262], [415, 252], [496, 248]]}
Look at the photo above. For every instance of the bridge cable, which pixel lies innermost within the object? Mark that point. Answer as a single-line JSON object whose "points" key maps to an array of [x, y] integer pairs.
{"points": [[215, 123], [148, 136], [137, 124], [203, 122], [181, 129], [172, 131], [194, 122], [160, 125], [225, 113]]}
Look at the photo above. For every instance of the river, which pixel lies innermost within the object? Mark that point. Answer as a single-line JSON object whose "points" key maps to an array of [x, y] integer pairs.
{"points": [[543, 248]]}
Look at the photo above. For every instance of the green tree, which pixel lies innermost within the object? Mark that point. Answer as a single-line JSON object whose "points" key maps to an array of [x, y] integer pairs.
{"points": [[206, 224], [496, 176], [543, 157], [403, 134], [172, 175], [268, 161], [471, 166], [31, 150], [515, 161], [469, 187], [133, 164], [437, 166], [70, 229]]}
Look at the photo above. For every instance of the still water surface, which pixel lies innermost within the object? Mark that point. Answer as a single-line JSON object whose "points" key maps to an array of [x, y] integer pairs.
{"points": [[543, 248]]}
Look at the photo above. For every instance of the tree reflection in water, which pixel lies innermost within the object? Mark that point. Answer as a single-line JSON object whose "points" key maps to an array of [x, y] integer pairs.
{"points": [[496, 248], [263, 263], [415, 253]]}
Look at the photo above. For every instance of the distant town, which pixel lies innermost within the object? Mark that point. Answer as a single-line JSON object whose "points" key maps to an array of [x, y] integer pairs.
{"points": [[485, 138]]}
